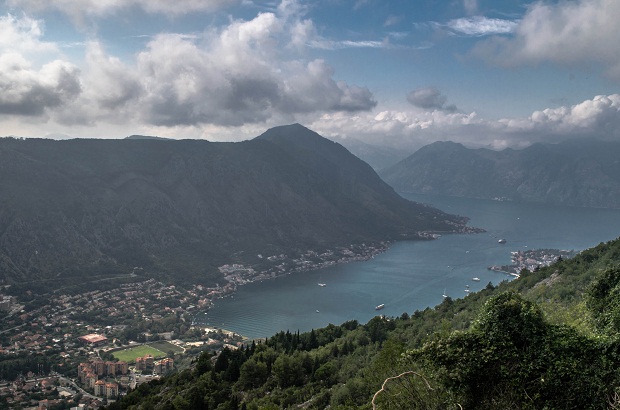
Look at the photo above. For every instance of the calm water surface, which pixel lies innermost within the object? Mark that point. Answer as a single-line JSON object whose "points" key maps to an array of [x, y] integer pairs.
{"points": [[412, 275]]}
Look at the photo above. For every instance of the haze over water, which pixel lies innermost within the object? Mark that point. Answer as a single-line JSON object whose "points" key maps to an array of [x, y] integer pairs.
{"points": [[412, 275]]}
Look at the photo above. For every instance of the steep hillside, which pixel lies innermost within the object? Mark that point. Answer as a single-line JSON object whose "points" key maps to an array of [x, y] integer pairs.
{"points": [[378, 157], [575, 173], [180, 209], [546, 340]]}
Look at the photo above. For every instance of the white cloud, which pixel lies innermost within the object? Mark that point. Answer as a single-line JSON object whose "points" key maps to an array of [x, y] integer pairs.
{"points": [[229, 76], [28, 88], [392, 20], [301, 34], [327, 44], [430, 98], [480, 26], [599, 117], [80, 8], [408, 130], [24, 34], [111, 91], [568, 32], [27, 91], [471, 6]]}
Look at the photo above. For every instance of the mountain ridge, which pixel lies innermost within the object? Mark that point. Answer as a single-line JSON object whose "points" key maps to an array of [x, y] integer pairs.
{"points": [[181, 208], [574, 173]]}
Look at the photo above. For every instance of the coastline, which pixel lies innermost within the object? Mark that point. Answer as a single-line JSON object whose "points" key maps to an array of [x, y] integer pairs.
{"points": [[237, 274], [531, 259]]}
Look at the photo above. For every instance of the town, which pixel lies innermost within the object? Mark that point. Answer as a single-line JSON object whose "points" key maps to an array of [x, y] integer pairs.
{"points": [[65, 351], [531, 260]]}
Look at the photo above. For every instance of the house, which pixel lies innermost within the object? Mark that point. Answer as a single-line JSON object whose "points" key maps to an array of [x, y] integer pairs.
{"points": [[93, 339]]}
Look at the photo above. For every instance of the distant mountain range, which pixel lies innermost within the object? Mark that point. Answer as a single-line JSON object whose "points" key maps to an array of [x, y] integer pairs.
{"points": [[576, 173], [75, 209], [377, 156]]}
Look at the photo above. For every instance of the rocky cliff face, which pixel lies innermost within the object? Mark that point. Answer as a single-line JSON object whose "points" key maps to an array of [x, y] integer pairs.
{"points": [[576, 173], [82, 208]]}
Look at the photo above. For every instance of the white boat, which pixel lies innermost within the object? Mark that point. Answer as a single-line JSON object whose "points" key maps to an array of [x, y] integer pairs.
{"points": [[445, 295], [322, 284], [379, 307], [502, 241], [476, 279]]}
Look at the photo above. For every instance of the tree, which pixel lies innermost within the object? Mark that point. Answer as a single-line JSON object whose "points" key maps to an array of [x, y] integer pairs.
{"points": [[252, 374], [288, 371], [603, 300], [512, 358]]}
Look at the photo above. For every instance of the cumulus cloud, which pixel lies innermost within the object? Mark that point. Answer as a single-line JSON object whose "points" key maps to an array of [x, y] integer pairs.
{"points": [[598, 118], [27, 88], [23, 34], [402, 130], [27, 91], [429, 98], [229, 76], [568, 32], [111, 91]]}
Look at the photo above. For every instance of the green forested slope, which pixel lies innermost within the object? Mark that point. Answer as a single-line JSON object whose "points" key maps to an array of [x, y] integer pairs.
{"points": [[78, 210], [548, 340]]}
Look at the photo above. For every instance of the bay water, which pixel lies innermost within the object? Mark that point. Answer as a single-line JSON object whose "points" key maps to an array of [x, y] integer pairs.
{"points": [[411, 275]]}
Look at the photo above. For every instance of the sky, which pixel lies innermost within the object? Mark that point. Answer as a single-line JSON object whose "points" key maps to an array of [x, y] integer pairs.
{"points": [[402, 73]]}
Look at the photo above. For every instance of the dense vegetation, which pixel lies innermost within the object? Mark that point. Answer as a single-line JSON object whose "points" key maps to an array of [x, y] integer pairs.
{"points": [[548, 340], [97, 209]]}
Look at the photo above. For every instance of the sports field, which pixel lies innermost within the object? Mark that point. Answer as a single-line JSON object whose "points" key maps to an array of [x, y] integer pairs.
{"points": [[166, 346], [130, 354]]}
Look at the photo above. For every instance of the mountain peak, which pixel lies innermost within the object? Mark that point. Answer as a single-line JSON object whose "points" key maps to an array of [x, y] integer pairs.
{"points": [[444, 145], [146, 137], [298, 138], [292, 131]]}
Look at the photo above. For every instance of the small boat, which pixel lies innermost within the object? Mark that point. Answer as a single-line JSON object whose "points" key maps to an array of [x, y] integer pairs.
{"points": [[502, 241], [445, 295], [322, 285], [467, 290], [476, 279], [379, 307], [317, 311]]}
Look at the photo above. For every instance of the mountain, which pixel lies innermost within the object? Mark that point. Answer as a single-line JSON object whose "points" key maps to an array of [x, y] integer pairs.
{"points": [[378, 157], [83, 209], [576, 173], [145, 137]]}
